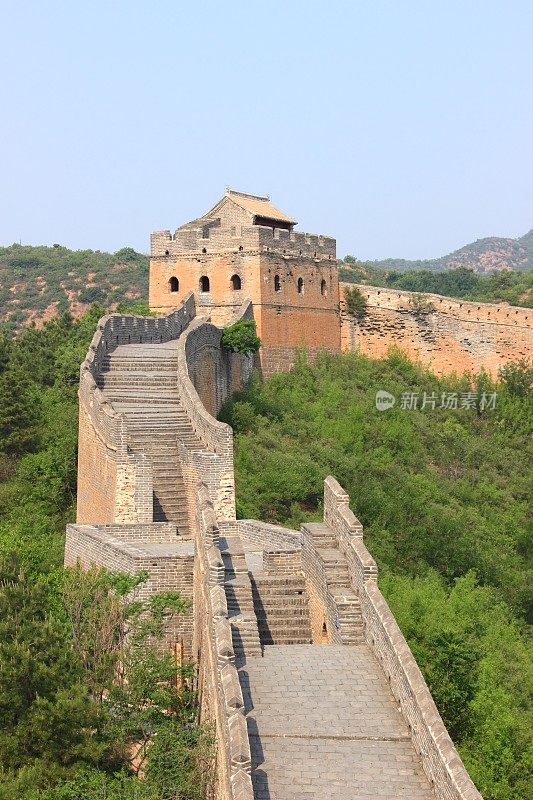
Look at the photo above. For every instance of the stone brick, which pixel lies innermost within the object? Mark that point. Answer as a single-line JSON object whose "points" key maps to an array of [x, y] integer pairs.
{"points": [[455, 336]]}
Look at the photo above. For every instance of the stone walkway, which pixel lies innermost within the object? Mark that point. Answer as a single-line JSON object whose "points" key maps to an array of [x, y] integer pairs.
{"points": [[323, 724]]}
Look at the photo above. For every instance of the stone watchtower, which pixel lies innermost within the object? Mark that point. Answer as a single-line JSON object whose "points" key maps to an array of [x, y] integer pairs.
{"points": [[245, 248]]}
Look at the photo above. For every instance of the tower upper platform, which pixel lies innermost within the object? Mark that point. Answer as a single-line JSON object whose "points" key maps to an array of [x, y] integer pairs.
{"points": [[242, 221]]}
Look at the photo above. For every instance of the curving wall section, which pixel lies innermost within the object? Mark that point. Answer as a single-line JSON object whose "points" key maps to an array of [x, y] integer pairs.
{"points": [[446, 334], [114, 484]]}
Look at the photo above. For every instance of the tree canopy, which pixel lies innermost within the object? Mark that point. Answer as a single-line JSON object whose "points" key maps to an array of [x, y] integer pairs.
{"points": [[444, 496]]}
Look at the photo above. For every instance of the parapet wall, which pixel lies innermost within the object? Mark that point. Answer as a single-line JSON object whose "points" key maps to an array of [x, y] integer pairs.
{"points": [[115, 485], [254, 238], [207, 377], [445, 334], [221, 695], [441, 761]]}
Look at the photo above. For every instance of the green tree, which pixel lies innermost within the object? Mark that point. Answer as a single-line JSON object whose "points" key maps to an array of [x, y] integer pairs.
{"points": [[518, 377], [45, 712], [356, 304], [18, 413], [241, 337]]}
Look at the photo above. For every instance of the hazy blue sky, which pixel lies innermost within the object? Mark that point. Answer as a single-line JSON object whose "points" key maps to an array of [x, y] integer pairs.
{"points": [[402, 128]]}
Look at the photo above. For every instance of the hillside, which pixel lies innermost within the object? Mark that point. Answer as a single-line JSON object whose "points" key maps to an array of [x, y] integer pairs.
{"points": [[501, 286], [482, 256], [39, 283]]}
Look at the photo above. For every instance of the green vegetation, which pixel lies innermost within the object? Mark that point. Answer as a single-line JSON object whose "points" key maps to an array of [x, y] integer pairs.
{"points": [[510, 287], [422, 303], [444, 498], [356, 304], [71, 726], [241, 337], [40, 281]]}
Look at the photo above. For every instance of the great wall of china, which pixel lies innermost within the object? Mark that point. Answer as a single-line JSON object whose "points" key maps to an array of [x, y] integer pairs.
{"points": [[447, 335], [309, 683], [302, 670]]}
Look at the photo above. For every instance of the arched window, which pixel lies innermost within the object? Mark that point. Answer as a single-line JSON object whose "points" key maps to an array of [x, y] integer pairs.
{"points": [[277, 283], [236, 282], [204, 250], [174, 284], [204, 283], [300, 285], [323, 288]]}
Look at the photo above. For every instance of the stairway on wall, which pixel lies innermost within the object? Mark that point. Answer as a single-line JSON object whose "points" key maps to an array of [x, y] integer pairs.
{"points": [[140, 380], [322, 720], [349, 615], [281, 609], [238, 589]]}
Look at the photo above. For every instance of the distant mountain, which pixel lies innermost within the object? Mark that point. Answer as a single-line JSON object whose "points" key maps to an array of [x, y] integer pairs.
{"points": [[38, 283], [482, 256]]}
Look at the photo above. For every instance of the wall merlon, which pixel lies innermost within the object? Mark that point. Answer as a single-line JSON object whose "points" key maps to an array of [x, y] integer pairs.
{"points": [[297, 243]]}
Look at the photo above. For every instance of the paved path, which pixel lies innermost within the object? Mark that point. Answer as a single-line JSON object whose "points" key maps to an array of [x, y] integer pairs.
{"points": [[323, 724]]}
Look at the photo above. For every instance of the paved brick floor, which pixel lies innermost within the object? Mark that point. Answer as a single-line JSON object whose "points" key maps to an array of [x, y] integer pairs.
{"points": [[323, 724]]}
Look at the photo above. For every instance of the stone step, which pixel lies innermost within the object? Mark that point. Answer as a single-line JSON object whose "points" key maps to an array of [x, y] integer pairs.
{"points": [[171, 495], [129, 379], [245, 637], [279, 580], [171, 412], [138, 365], [282, 612], [268, 641], [331, 555], [144, 398], [337, 568], [282, 591], [170, 499], [285, 631]]}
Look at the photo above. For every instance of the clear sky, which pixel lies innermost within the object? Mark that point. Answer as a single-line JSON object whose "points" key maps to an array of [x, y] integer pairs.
{"points": [[404, 128]]}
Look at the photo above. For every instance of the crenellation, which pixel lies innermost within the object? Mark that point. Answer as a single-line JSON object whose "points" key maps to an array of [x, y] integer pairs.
{"points": [[446, 334]]}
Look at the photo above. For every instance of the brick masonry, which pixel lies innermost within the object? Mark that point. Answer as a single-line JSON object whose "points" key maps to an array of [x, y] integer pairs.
{"points": [[290, 277], [454, 336], [154, 548]]}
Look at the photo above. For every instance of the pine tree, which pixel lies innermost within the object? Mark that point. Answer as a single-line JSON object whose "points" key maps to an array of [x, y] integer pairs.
{"points": [[18, 413]]}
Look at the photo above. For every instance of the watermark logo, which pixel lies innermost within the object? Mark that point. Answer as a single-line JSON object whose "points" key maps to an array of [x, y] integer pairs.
{"points": [[384, 400], [419, 401]]}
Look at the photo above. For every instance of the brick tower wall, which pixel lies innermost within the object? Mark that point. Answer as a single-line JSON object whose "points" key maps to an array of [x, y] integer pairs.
{"points": [[222, 301], [289, 319], [226, 247]]}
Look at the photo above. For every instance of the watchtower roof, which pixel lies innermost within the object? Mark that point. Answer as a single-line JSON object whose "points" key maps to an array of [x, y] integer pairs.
{"points": [[258, 207]]}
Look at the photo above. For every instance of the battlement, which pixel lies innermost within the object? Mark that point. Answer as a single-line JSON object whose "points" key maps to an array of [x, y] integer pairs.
{"points": [[445, 333], [212, 239]]}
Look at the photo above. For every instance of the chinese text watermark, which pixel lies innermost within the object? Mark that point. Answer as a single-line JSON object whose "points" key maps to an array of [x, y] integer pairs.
{"points": [[419, 401]]}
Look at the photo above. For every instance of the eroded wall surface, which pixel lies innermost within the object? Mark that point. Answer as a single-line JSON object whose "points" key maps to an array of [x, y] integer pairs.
{"points": [[448, 336]]}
